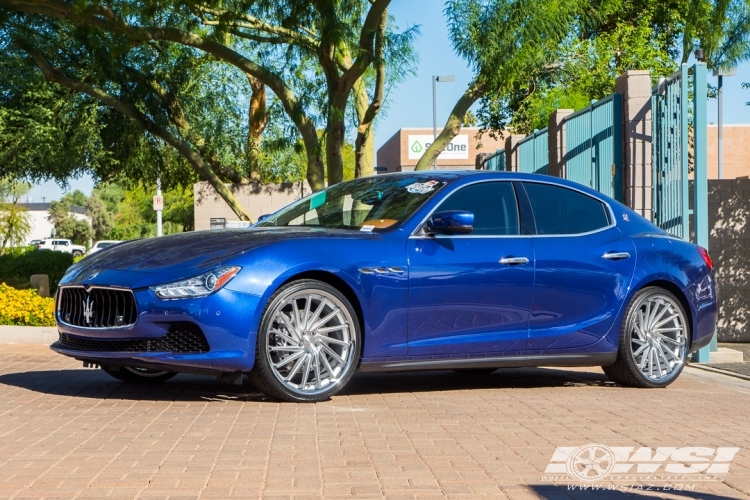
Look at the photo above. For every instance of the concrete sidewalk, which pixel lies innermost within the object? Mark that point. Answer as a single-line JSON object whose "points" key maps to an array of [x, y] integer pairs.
{"points": [[28, 334], [69, 432]]}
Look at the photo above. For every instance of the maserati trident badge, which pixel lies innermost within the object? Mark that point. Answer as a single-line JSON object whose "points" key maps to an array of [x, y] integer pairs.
{"points": [[88, 310]]}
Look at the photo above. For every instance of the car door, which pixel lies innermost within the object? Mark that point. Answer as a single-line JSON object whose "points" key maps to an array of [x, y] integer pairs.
{"points": [[584, 266], [471, 294]]}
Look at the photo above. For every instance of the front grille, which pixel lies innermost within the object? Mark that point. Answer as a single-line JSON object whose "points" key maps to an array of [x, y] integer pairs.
{"points": [[97, 307], [182, 338]]}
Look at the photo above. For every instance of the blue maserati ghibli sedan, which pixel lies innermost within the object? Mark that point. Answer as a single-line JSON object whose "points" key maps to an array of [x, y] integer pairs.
{"points": [[467, 271]]}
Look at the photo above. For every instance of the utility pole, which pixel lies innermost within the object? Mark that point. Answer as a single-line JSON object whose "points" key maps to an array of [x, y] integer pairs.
{"points": [[721, 73], [435, 80]]}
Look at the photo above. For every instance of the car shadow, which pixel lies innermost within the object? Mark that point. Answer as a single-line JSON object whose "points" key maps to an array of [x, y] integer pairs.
{"points": [[94, 383]]}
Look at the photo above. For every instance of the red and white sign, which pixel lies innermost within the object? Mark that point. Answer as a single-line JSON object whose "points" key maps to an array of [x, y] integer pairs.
{"points": [[158, 202]]}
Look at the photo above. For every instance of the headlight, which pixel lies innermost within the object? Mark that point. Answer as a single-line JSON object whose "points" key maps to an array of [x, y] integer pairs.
{"points": [[198, 286]]}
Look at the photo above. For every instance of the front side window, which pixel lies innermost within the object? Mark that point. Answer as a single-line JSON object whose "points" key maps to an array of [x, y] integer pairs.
{"points": [[370, 203], [559, 210], [493, 205]]}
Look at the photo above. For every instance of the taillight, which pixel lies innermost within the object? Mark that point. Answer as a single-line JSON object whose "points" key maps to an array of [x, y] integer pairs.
{"points": [[706, 257]]}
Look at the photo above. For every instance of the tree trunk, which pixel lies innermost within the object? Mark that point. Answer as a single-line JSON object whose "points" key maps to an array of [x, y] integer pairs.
{"points": [[364, 145], [258, 118], [452, 126], [335, 130]]}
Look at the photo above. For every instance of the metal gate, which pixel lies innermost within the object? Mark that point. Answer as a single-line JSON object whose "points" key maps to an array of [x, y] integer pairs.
{"points": [[594, 146], [678, 107]]}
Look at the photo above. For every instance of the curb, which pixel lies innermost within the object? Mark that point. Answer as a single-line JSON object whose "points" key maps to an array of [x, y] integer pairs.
{"points": [[28, 334], [719, 370]]}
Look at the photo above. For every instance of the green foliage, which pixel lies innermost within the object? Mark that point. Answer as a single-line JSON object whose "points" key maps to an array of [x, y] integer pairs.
{"points": [[16, 268], [102, 219], [66, 226], [133, 215], [587, 69]]}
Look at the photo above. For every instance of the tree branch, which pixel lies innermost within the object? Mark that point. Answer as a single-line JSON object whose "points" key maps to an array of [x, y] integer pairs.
{"points": [[145, 123]]}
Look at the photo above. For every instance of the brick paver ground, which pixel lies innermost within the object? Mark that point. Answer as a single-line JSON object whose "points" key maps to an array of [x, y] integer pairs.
{"points": [[69, 432]]}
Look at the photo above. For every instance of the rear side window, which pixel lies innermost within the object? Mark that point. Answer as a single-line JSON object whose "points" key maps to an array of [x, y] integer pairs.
{"points": [[558, 210], [493, 205]]}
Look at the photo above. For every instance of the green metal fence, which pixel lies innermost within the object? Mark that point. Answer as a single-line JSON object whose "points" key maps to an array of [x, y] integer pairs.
{"points": [[496, 161], [533, 153], [678, 106], [675, 111], [594, 146]]}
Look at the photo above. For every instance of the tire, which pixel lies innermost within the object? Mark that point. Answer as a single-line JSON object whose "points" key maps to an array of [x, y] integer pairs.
{"points": [[653, 341], [77, 254], [300, 356], [475, 371], [135, 375]]}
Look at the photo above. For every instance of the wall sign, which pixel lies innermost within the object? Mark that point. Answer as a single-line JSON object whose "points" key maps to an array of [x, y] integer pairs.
{"points": [[458, 149]]}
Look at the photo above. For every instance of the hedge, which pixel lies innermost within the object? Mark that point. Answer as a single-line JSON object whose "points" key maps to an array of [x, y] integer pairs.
{"points": [[16, 268]]}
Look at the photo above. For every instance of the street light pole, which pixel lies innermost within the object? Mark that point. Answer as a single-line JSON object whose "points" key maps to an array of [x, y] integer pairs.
{"points": [[435, 80], [434, 115], [721, 73]]}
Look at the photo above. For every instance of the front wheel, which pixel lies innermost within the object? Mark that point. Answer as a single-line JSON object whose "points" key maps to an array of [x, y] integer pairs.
{"points": [[653, 342], [308, 343], [77, 253], [138, 375]]}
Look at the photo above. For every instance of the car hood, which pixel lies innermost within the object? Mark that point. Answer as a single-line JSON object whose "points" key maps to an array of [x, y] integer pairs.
{"points": [[150, 261]]}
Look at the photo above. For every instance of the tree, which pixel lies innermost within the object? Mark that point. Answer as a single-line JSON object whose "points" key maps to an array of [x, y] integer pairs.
{"points": [[505, 41], [143, 62], [66, 226], [721, 28], [101, 219], [14, 220]]}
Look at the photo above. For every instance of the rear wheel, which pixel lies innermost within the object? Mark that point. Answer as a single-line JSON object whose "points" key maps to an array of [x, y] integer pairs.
{"points": [[77, 253], [653, 342], [138, 375], [308, 343]]}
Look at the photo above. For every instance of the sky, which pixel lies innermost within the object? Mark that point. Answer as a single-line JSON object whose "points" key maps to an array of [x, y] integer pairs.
{"points": [[411, 104]]}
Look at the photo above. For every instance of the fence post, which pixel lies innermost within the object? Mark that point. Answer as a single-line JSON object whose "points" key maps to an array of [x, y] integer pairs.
{"points": [[557, 142], [700, 176], [635, 88], [511, 152]]}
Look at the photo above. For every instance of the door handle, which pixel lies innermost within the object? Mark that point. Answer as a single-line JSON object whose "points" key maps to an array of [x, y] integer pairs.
{"points": [[514, 261], [616, 255]]}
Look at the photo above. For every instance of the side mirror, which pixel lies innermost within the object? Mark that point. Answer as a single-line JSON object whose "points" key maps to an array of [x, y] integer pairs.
{"points": [[450, 222], [263, 217]]}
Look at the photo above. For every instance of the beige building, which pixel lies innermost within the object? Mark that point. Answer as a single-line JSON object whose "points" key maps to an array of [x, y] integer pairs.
{"points": [[402, 151], [212, 212], [736, 151]]}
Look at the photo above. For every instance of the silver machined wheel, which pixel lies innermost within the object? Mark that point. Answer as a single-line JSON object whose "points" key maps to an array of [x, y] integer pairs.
{"points": [[658, 337], [310, 342]]}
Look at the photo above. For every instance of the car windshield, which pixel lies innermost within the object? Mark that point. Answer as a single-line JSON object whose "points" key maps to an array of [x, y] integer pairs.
{"points": [[371, 203]]}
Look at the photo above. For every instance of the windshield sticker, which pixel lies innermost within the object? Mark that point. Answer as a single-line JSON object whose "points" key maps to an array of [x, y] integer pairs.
{"points": [[367, 228], [421, 187]]}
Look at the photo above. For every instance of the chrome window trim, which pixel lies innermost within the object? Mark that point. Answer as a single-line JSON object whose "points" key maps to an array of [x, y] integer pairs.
{"points": [[59, 320], [610, 212]]}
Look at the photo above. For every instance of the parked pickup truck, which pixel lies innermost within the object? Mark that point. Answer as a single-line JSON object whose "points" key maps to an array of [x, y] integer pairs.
{"points": [[61, 245]]}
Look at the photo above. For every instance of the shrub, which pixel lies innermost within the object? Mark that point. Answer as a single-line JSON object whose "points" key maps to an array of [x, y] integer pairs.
{"points": [[16, 269], [25, 307]]}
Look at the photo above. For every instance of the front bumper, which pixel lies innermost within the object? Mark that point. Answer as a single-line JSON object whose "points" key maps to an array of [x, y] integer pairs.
{"points": [[227, 318]]}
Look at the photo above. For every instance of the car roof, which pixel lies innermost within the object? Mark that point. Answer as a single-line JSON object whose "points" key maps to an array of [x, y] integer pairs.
{"points": [[458, 175]]}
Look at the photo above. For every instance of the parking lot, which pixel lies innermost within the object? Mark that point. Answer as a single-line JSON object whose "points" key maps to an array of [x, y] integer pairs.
{"points": [[70, 432]]}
